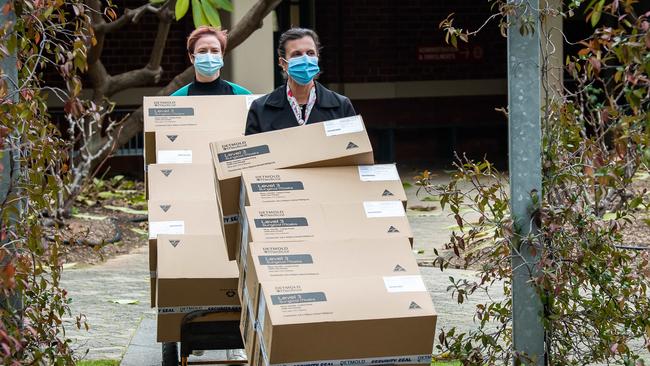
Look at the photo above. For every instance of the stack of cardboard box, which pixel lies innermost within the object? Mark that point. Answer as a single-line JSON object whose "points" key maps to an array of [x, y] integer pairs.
{"points": [[190, 269], [323, 247]]}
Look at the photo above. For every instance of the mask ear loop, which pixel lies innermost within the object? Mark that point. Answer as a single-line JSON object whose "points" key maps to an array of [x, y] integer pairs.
{"points": [[285, 70]]}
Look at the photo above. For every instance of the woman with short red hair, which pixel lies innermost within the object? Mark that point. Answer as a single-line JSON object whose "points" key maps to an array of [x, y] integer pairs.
{"points": [[206, 46]]}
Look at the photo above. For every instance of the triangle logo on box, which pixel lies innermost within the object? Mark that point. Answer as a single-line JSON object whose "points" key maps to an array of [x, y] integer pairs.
{"points": [[172, 138], [399, 268], [387, 193], [393, 229], [414, 305], [165, 207], [166, 172], [351, 145], [174, 243]]}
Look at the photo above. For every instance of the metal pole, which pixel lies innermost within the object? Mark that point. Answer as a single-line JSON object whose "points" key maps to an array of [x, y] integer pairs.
{"points": [[9, 158], [525, 174]]}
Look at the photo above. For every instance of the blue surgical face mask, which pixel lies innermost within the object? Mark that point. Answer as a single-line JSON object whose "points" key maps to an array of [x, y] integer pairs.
{"points": [[302, 69], [208, 64]]}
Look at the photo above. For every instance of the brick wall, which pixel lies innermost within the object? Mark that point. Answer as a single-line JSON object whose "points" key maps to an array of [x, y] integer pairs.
{"points": [[378, 40]]}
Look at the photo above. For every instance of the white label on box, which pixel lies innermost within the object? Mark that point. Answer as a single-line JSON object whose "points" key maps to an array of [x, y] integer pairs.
{"points": [[343, 126], [377, 173], [174, 157], [404, 284], [166, 227], [251, 98], [384, 209], [390, 360]]}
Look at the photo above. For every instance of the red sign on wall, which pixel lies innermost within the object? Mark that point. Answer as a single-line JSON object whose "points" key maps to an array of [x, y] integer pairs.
{"points": [[448, 54]]}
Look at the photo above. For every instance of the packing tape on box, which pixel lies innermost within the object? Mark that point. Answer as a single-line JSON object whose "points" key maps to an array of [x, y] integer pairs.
{"points": [[188, 309], [265, 356], [231, 219], [396, 360], [261, 312]]}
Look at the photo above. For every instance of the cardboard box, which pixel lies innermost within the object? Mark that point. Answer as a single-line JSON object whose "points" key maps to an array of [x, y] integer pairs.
{"points": [[314, 259], [177, 218], [186, 147], [340, 142], [326, 221], [225, 114], [345, 321], [247, 329], [193, 274], [317, 185], [182, 181]]}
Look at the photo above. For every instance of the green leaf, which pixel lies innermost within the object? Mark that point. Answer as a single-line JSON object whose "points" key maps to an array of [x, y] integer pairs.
{"points": [[406, 185], [597, 12], [181, 8], [609, 216], [116, 179], [107, 194], [126, 210], [155, 2], [197, 14], [89, 217], [431, 199], [211, 13], [139, 231], [223, 4]]}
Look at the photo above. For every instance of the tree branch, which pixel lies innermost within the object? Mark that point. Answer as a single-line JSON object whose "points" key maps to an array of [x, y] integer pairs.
{"points": [[133, 78], [99, 79], [166, 17], [129, 16]]}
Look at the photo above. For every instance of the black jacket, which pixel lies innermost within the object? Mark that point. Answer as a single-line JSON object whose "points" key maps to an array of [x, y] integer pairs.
{"points": [[273, 112]]}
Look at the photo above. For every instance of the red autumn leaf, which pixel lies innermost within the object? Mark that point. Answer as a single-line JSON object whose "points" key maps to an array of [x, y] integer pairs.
{"points": [[595, 63], [7, 8], [584, 52], [27, 94]]}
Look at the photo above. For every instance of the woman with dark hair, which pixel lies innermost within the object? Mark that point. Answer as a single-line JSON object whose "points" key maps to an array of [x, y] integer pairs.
{"points": [[302, 100], [206, 47]]}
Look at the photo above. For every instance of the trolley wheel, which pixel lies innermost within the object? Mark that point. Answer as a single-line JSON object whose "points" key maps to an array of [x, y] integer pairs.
{"points": [[170, 354]]}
